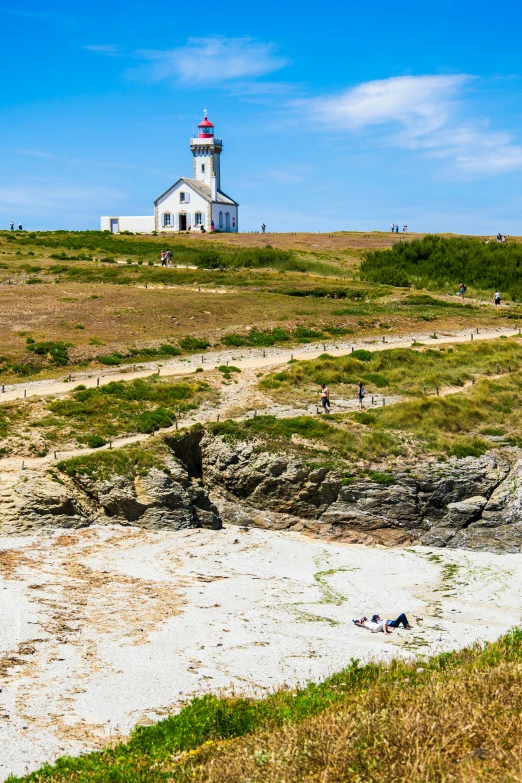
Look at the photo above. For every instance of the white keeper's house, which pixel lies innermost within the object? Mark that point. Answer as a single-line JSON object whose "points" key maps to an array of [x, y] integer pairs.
{"points": [[190, 204]]}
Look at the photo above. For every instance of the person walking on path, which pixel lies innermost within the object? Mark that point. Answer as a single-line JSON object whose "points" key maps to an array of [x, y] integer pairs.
{"points": [[325, 398], [212, 226], [169, 256], [496, 298], [462, 290], [11, 226], [360, 394], [163, 258]]}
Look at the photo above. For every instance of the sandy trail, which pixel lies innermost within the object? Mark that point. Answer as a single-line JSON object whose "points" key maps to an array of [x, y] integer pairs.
{"points": [[241, 398], [244, 358], [107, 627]]}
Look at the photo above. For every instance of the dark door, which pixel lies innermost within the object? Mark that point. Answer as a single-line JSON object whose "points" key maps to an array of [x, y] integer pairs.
{"points": [[182, 222]]}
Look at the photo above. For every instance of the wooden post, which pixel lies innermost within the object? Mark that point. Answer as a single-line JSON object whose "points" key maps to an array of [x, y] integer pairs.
{"points": [[353, 348], [23, 464], [472, 335], [218, 417], [437, 391], [383, 401], [25, 392], [110, 444], [55, 454], [177, 423], [477, 330], [497, 367], [383, 339], [97, 382], [202, 359], [70, 377], [255, 414], [472, 381], [3, 388], [372, 400], [424, 390]]}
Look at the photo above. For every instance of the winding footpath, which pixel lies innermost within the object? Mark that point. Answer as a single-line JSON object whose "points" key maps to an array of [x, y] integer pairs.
{"points": [[239, 400]]}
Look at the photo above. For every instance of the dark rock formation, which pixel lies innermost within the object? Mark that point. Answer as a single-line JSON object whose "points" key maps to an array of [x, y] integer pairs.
{"points": [[473, 502]]}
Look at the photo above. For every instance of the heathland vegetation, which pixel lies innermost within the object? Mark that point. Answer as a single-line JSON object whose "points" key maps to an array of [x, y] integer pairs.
{"points": [[440, 263], [83, 300], [454, 717]]}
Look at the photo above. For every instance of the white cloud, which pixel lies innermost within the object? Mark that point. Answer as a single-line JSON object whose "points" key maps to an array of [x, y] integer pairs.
{"points": [[211, 60], [426, 113]]}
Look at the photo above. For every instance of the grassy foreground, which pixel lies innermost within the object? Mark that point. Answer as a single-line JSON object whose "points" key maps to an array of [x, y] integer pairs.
{"points": [[452, 718]]}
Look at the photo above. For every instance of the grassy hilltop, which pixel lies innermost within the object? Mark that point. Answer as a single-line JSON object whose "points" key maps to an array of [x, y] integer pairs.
{"points": [[89, 299]]}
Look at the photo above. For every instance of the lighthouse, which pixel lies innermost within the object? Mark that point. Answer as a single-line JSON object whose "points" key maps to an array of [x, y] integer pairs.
{"points": [[198, 203], [190, 204]]}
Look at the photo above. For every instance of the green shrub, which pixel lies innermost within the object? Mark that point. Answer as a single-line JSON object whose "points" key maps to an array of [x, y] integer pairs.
{"points": [[193, 343], [96, 442], [56, 352]]}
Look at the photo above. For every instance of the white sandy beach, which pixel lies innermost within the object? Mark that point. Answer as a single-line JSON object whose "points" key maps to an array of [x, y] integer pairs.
{"points": [[108, 627]]}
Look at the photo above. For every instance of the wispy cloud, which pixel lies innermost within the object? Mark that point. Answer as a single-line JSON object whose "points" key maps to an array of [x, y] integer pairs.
{"points": [[425, 113], [113, 50], [212, 59]]}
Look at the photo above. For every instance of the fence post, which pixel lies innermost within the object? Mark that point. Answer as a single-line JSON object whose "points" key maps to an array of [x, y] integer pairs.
{"points": [[353, 349], [437, 391], [372, 400], [424, 390], [218, 417], [383, 401], [255, 414], [497, 367], [55, 454], [97, 382], [477, 330], [202, 359], [25, 392], [472, 335], [383, 339]]}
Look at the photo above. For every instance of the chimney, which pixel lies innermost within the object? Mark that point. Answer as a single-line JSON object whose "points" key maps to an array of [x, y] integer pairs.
{"points": [[213, 187]]}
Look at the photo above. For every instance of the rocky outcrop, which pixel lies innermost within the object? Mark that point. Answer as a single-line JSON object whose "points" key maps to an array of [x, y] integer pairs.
{"points": [[472, 502], [160, 498]]}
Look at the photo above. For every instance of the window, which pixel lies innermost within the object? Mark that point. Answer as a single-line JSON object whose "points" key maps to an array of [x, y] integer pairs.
{"points": [[202, 168], [221, 220], [198, 219], [182, 197], [166, 219]]}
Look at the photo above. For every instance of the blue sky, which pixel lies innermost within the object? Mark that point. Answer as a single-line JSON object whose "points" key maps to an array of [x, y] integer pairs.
{"points": [[341, 116]]}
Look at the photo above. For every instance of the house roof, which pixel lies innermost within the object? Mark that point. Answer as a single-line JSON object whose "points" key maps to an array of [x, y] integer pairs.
{"points": [[203, 189]]}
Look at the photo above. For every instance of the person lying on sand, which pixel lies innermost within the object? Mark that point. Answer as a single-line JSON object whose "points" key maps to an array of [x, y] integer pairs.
{"points": [[377, 624]]}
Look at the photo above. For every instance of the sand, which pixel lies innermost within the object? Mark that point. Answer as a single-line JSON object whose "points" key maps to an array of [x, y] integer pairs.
{"points": [[108, 627]]}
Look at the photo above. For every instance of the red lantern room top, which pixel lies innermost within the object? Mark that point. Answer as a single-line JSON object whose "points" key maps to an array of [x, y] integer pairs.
{"points": [[205, 129]]}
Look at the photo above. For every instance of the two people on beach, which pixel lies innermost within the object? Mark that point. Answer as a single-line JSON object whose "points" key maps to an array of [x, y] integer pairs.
{"points": [[378, 625]]}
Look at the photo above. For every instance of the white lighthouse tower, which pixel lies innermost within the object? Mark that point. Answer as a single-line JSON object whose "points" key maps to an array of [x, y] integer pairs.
{"points": [[206, 150], [199, 204]]}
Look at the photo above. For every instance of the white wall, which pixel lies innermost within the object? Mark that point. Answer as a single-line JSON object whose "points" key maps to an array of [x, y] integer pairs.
{"points": [[224, 208], [138, 224], [171, 203]]}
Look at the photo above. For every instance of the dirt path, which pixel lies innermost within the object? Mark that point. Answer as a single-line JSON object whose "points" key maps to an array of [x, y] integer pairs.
{"points": [[244, 358]]}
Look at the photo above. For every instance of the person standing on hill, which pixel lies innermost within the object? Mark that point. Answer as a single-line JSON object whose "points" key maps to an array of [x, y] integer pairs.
{"points": [[496, 298], [11, 226], [163, 258], [20, 227], [393, 227], [169, 256], [263, 228], [360, 394], [462, 290], [397, 228], [325, 398]]}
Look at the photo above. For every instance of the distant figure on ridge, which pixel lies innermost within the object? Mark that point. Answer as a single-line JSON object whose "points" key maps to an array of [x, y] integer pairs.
{"points": [[263, 228], [20, 227], [397, 228], [11, 225], [393, 228]]}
